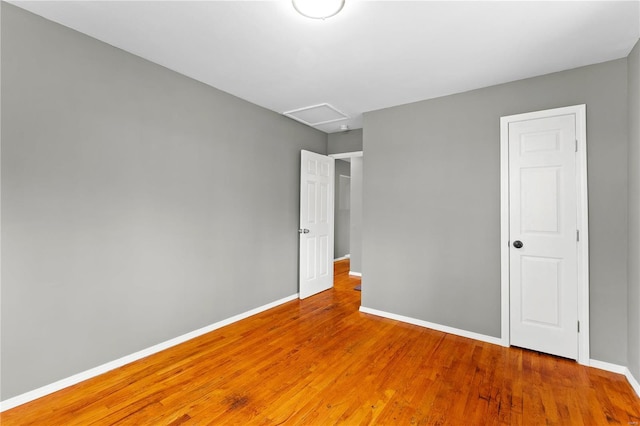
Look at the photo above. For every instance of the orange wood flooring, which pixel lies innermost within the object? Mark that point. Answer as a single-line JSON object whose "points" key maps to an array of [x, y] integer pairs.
{"points": [[320, 361]]}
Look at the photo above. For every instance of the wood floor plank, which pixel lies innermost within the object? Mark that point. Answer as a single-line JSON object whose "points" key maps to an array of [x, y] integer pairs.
{"points": [[320, 361]]}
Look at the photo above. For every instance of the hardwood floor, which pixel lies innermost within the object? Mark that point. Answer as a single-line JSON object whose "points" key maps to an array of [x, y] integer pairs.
{"points": [[320, 361]]}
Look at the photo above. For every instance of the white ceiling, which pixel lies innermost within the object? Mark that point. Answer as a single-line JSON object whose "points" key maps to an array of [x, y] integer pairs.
{"points": [[372, 55]]}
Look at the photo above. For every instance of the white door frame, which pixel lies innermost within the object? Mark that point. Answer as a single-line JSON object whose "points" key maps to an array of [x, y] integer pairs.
{"points": [[343, 155], [348, 156], [582, 221]]}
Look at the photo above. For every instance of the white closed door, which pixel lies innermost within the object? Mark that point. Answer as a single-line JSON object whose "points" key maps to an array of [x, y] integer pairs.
{"points": [[316, 223], [543, 235]]}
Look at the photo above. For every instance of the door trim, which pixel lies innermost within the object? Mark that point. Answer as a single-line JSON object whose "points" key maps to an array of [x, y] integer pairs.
{"points": [[582, 222], [343, 155]]}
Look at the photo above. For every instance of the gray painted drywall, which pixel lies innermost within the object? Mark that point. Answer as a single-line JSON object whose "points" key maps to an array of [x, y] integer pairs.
{"points": [[350, 141], [634, 211], [342, 210], [355, 242], [137, 204], [432, 226]]}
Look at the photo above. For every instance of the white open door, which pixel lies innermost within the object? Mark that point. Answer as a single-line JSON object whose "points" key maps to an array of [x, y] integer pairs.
{"points": [[543, 233], [316, 223]]}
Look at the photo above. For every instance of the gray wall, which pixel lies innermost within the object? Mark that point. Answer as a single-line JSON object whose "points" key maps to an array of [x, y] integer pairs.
{"points": [[355, 242], [634, 211], [137, 204], [350, 141], [432, 202], [342, 211]]}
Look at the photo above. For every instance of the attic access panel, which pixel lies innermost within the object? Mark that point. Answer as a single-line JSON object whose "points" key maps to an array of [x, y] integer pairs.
{"points": [[316, 114]]}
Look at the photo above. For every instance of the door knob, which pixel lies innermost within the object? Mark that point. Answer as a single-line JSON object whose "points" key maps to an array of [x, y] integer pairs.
{"points": [[303, 231], [517, 244]]}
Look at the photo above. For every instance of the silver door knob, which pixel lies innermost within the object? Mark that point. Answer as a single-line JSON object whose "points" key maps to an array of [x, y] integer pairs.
{"points": [[303, 231]]}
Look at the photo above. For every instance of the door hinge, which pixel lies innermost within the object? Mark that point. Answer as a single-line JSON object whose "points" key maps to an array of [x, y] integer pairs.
{"points": [[576, 145], [578, 326], [577, 235]]}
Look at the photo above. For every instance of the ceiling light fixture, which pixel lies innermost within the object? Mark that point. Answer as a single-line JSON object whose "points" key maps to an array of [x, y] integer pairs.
{"points": [[318, 9]]}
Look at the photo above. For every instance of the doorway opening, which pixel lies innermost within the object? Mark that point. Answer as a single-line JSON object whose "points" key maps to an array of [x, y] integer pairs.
{"points": [[348, 197], [348, 213]]}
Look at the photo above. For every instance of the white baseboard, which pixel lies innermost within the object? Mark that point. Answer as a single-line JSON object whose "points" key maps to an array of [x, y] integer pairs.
{"points": [[632, 381], [618, 369], [346, 256], [355, 274], [434, 326], [607, 366], [101, 369]]}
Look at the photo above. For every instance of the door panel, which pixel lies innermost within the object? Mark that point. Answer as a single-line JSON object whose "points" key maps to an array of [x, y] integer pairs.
{"points": [[539, 200], [543, 272], [541, 280], [316, 223]]}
